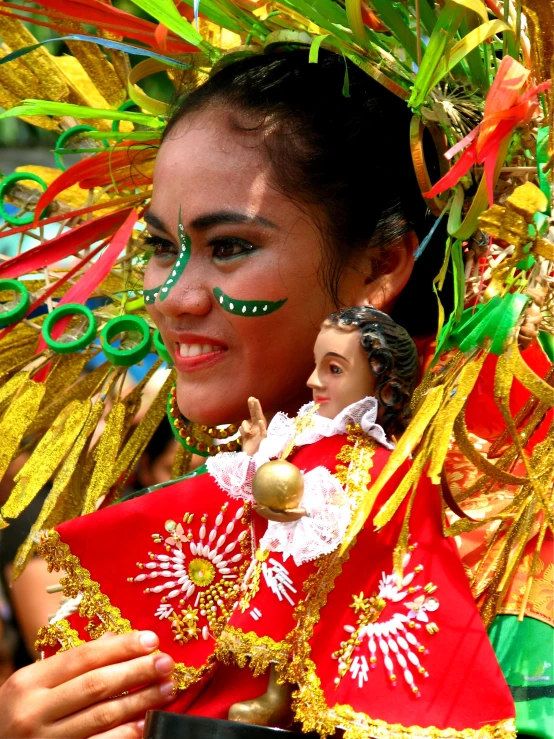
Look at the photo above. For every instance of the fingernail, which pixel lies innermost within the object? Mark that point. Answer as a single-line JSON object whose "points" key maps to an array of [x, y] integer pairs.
{"points": [[164, 664], [140, 724], [166, 689], [108, 633], [148, 639]]}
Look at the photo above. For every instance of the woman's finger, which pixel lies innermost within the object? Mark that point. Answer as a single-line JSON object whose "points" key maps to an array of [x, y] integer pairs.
{"points": [[65, 666], [132, 730], [108, 716], [105, 682]]}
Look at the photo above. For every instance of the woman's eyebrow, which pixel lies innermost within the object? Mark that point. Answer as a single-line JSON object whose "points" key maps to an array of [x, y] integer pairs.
{"points": [[153, 220], [334, 354], [202, 223]]}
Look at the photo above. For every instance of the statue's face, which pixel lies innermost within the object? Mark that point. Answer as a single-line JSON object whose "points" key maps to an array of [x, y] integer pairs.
{"points": [[342, 374]]}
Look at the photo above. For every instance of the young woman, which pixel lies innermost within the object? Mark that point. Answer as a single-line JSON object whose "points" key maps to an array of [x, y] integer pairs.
{"points": [[295, 197]]}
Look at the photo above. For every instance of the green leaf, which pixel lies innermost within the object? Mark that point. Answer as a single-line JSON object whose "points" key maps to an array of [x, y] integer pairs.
{"points": [[478, 71], [314, 48], [442, 37], [355, 21], [393, 19], [463, 47], [478, 6], [45, 107]]}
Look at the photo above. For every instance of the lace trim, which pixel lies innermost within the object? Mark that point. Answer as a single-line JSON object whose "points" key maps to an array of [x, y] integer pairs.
{"points": [[94, 605], [235, 647]]}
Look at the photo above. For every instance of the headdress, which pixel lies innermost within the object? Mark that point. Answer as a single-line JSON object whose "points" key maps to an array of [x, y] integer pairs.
{"points": [[475, 75]]}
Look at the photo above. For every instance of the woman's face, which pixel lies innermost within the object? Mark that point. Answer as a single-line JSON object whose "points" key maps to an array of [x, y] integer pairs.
{"points": [[239, 305]]}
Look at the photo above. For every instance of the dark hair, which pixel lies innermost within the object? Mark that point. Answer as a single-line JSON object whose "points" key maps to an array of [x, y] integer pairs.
{"points": [[392, 357], [348, 155]]}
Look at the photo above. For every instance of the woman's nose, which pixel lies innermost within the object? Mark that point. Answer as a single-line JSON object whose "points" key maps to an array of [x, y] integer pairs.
{"points": [[184, 298]]}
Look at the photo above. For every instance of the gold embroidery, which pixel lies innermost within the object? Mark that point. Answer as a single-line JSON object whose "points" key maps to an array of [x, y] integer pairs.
{"points": [[94, 605], [56, 633], [237, 647], [308, 701]]}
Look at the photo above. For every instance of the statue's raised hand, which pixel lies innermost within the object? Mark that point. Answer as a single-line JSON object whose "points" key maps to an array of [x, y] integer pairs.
{"points": [[255, 430]]}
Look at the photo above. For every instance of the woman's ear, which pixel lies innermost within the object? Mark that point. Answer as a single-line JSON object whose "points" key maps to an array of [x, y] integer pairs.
{"points": [[380, 284], [395, 271]]}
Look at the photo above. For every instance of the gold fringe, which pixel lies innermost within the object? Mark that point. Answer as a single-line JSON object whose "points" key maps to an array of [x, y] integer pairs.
{"points": [[236, 647], [60, 633], [96, 607]]}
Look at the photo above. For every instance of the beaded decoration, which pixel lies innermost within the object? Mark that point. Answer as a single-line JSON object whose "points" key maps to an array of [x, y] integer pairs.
{"points": [[199, 438], [393, 638], [199, 573]]}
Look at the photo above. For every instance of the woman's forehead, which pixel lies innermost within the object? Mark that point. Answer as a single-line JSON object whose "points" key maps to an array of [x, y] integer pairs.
{"points": [[203, 165]]}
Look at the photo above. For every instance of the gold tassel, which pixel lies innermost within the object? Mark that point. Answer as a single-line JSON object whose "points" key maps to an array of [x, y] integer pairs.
{"points": [[65, 371], [13, 427], [59, 487], [48, 454], [105, 456]]}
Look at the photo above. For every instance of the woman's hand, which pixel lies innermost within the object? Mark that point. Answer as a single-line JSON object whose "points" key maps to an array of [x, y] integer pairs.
{"points": [[70, 695], [254, 431]]}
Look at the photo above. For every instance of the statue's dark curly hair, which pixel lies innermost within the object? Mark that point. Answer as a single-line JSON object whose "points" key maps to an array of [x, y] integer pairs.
{"points": [[393, 359]]}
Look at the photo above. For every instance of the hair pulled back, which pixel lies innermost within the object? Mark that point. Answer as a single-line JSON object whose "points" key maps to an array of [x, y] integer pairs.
{"points": [[349, 156], [392, 357]]}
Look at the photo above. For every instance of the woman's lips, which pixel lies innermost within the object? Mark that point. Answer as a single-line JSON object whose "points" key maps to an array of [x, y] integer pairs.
{"points": [[320, 399], [189, 356]]}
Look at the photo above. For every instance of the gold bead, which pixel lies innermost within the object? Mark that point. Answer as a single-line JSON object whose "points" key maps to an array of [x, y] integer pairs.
{"points": [[201, 446]]}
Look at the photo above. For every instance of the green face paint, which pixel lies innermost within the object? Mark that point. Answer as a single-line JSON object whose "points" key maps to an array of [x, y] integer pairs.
{"points": [[181, 263], [178, 268], [246, 308]]}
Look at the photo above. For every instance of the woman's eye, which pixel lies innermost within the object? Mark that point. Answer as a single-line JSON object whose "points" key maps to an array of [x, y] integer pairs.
{"points": [[229, 248], [160, 247], [335, 369]]}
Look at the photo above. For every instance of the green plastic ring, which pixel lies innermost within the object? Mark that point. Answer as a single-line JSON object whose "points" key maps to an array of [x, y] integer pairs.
{"points": [[124, 106], [161, 348], [7, 183], [60, 143], [69, 309], [126, 357], [14, 314]]}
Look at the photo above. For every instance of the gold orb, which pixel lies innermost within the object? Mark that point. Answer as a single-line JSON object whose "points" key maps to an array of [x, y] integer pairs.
{"points": [[278, 485]]}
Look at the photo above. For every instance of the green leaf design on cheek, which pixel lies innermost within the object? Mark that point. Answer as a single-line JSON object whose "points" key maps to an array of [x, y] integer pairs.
{"points": [[181, 263], [151, 295], [246, 308]]}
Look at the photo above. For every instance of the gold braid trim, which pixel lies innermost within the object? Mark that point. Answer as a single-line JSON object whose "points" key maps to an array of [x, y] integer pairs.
{"points": [[308, 701], [235, 647], [94, 605], [59, 632]]}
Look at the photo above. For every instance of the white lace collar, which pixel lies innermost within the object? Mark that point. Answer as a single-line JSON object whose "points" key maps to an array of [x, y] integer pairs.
{"points": [[281, 428]]}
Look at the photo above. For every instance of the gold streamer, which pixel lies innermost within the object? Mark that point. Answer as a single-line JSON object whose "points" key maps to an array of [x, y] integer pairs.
{"points": [[181, 462], [85, 388], [529, 379], [10, 387], [401, 548], [60, 486], [449, 413], [65, 371], [13, 426], [16, 36], [411, 478], [49, 452], [141, 436], [105, 456], [403, 449]]}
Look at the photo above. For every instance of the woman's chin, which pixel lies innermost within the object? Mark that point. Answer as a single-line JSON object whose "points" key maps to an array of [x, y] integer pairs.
{"points": [[211, 408]]}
